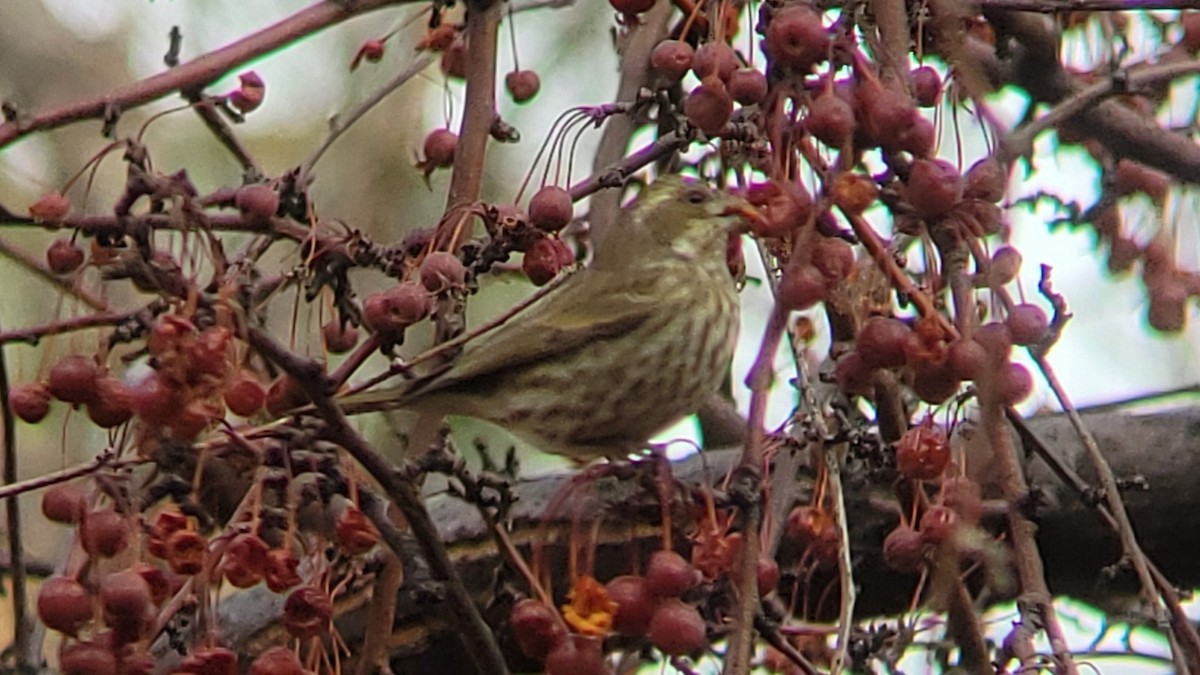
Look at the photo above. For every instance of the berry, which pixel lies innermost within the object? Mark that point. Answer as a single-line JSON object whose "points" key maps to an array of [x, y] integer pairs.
{"points": [[785, 206], [245, 395], [64, 605], [1167, 312], [933, 187], [708, 107], [934, 382], [439, 148], [390, 312], [277, 661], [670, 575], [853, 192], [986, 180], [1004, 266], [853, 376], [454, 59], [796, 39], [441, 270], [354, 533], [967, 359], [125, 594], [186, 551], [307, 613], [50, 208], [834, 258], [522, 85], [579, 655], [542, 261], [747, 86], [285, 394], [904, 550], [86, 658], [30, 401], [1014, 384], [830, 120], [938, 525], [113, 404], [714, 59], [245, 560], [672, 58], [537, 627], [249, 96], [154, 400], [884, 114], [677, 628], [996, 340], [881, 342], [64, 503], [813, 531], [210, 661], [281, 573], [635, 604], [923, 452], [551, 209], [631, 7], [73, 379], [63, 256], [194, 418], [917, 138], [927, 86], [1027, 324], [801, 287], [339, 337], [257, 202], [103, 532]]}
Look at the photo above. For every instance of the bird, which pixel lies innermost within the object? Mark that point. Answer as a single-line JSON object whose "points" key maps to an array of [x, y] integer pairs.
{"points": [[619, 351]]}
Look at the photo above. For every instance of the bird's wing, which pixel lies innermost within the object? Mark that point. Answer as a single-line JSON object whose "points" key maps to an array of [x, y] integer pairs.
{"points": [[591, 306]]}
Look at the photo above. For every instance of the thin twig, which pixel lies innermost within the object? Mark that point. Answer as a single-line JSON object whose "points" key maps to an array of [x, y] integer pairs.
{"points": [[220, 128], [34, 334], [22, 625], [1056, 6], [470, 153], [64, 284]]}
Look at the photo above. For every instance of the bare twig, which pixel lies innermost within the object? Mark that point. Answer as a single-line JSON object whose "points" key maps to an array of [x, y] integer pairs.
{"points": [[483, 27], [64, 284], [22, 624], [1055, 6]]}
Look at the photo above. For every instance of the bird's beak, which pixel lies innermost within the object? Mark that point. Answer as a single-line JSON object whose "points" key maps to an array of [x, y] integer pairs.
{"points": [[749, 214]]}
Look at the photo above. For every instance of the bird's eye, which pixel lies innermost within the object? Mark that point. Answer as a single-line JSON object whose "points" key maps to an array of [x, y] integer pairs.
{"points": [[696, 195]]}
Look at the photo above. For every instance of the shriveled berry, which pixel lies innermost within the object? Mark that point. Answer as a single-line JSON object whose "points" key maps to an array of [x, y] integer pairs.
{"points": [[64, 605], [210, 661], [86, 658], [371, 51], [307, 612], [904, 550], [186, 551], [938, 524], [1027, 324], [923, 452], [834, 258], [934, 381], [355, 533], [1014, 384], [277, 661], [1167, 311], [281, 569], [672, 58], [933, 187], [796, 39], [245, 560], [551, 208], [677, 628], [986, 180], [439, 148], [881, 342], [853, 192], [194, 417], [801, 287], [927, 86], [853, 376], [104, 533], [537, 627], [285, 393], [113, 404], [669, 574], [785, 206], [578, 655], [747, 86], [830, 120], [522, 85], [30, 401], [454, 59], [714, 59], [542, 261], [813, 530], [709, 106], [156, 579], [635, 604], [245, 395], [50, 208], [249, 96], [73, 379], [339, 337], [64, 256], [442, 270], [257, 202], [64, 503], [389, 312]]}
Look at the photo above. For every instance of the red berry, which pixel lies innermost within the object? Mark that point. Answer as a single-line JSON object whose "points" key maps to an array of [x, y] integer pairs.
{"points": [[714, 59], [923, 452], [1004, 266], [125, 594], [439, 148], [853, 192], [579, 655], [881, 342], [64, 503], [50, 208], [785, 207], [186, 551], [551, 208], [390, 312], [938, 524], [853, 376], [934, 382], [677, 628], [245, 395], [1027, 324], [884, 113], [277, 661], [257, 202], [708, 107], [670, 575], [73, 379], [1190, 21], [339, 338], [672, 58], [250, 94], [86, 658], [154, 400], [813, 530], [522, 85], [442, 270], [371, 50], [1167, 312], [541, 262], [210, 661], [113, 404], [917, 138], [245, 560], [933, 187], [927, 86], [30, 401], [747, 86], [64, 256], [796, 39], [281, 571], [995, 339], [767, 575], [967, 359], [987, 180], [1014, 384], [904, 550], [631, 7], [537, 627], [635, 604], [194, 418], [830, 120], [285, 394], [64, 605], [801, 287], [354, 533], [834, 258], [307, 612]]}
